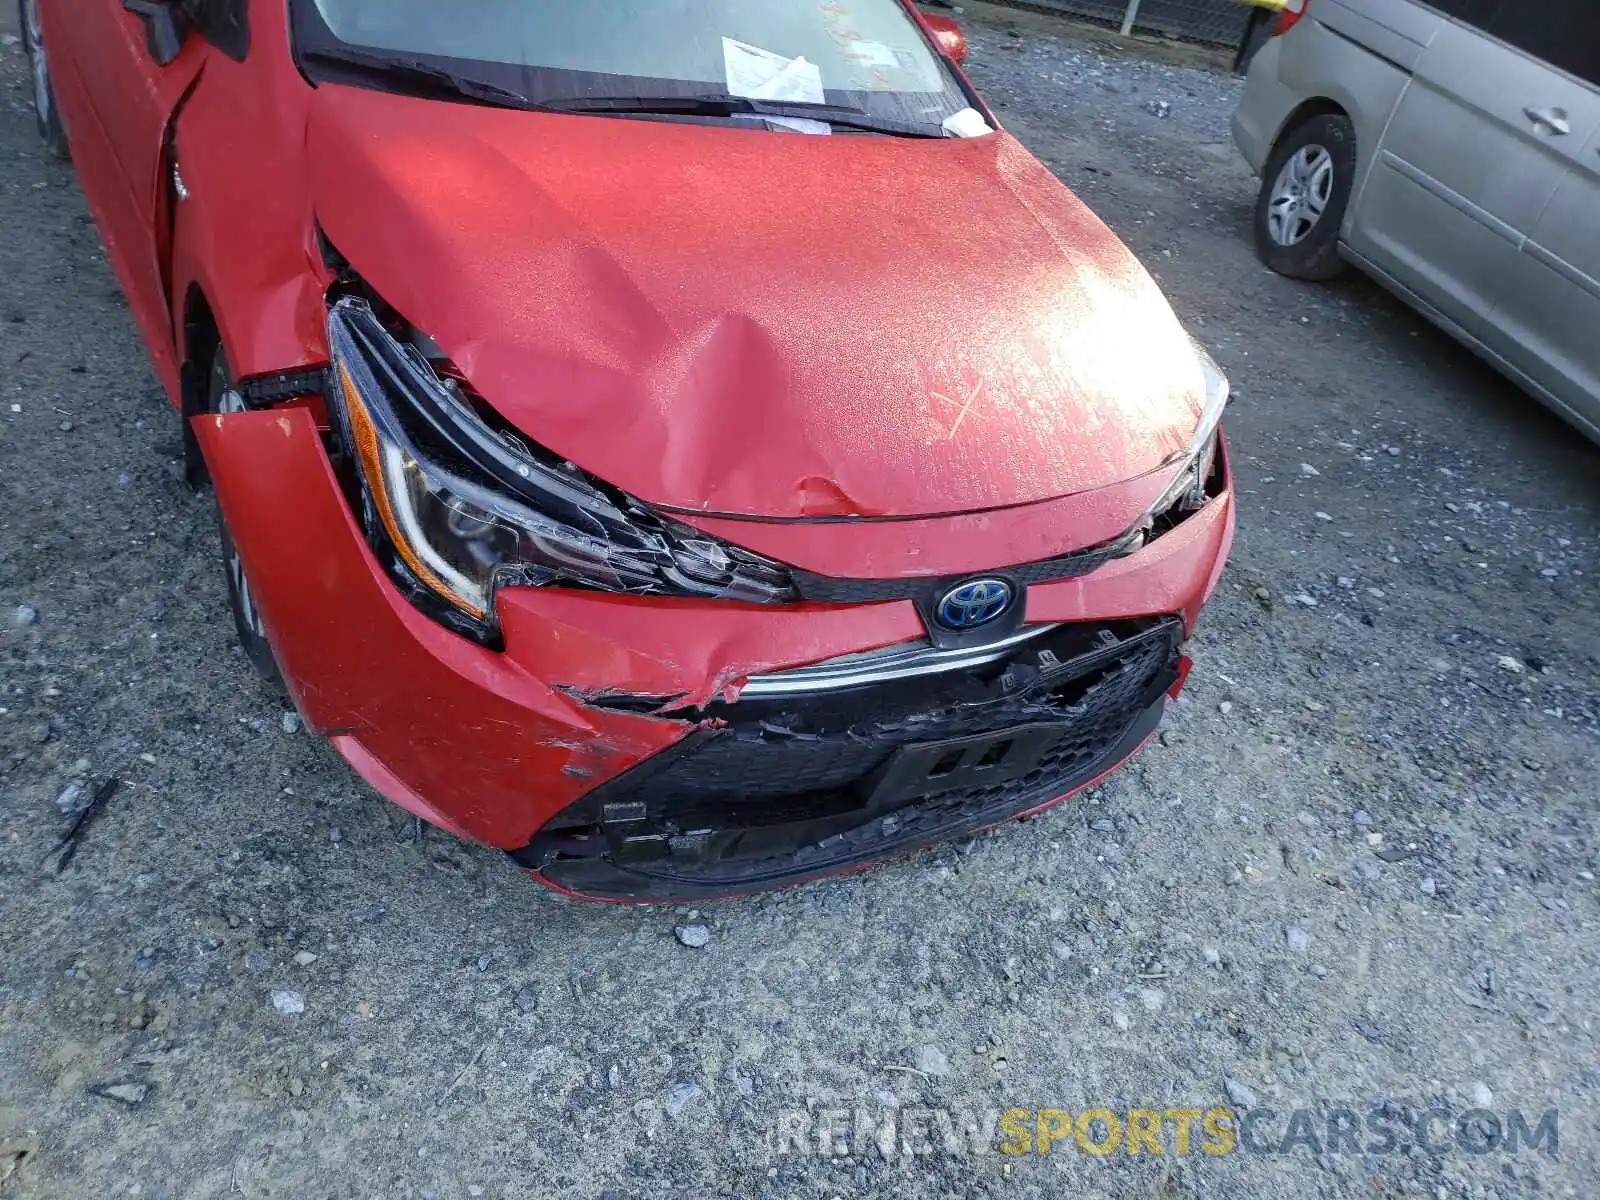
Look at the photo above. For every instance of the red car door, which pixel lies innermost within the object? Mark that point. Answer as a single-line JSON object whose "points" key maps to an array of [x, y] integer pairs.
{"points": [[118, 103]]}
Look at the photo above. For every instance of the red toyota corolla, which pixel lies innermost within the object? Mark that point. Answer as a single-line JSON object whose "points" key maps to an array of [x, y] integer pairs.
{"points": [[686, 445]]}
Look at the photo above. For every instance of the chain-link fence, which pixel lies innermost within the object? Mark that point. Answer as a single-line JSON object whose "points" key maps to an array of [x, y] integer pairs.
{"points": [[1219, 21]]}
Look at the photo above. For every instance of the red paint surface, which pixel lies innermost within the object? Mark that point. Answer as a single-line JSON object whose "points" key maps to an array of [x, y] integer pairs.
{"points": [[742, 322], [952, 41], [490, 742], [116, 105]]}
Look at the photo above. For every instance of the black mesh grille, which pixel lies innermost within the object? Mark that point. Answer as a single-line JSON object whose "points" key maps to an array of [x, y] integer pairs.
{"points": [[791, 788]]}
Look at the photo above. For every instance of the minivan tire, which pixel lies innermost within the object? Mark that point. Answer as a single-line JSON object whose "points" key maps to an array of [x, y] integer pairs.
{"points": [[1323, 140]]}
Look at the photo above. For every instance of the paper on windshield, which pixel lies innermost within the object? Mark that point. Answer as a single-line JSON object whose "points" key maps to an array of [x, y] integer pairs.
{"points": [[794, 124], [967, 123], [873, 54], [759, 74]]}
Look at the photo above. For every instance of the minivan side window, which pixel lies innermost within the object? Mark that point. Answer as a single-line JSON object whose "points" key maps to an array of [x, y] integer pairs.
{"points": [[1564, 33], [1477, 13]]}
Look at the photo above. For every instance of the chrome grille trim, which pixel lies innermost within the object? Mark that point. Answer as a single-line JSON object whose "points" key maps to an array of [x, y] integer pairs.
{"points": [[904, 661]]}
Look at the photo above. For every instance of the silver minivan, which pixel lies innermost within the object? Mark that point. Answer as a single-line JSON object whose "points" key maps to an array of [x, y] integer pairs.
{"points": [[1451, 150]]}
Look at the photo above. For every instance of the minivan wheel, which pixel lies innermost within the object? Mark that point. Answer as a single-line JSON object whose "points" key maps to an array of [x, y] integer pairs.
{"points": [[44, 95], [1305, 190], [222, 398]]}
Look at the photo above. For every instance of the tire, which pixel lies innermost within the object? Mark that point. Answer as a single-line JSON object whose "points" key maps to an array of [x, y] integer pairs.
{"points": [[246, 617], [46, 112], [1305, 191]]}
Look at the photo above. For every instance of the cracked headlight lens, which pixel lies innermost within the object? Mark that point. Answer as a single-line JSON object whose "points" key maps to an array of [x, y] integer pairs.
{"points": [[1188, 490], [464, 509]]}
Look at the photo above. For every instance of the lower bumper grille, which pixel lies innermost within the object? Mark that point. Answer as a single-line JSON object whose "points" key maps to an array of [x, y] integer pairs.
{"points": [[772, 791]]}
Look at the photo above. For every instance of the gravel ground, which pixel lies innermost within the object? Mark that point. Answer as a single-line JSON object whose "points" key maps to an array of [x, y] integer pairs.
{"points": [[1357, 868]]}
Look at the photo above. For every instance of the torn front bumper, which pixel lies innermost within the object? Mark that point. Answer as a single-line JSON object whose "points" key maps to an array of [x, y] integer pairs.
{"points": [[793, 782], [647, 748]]}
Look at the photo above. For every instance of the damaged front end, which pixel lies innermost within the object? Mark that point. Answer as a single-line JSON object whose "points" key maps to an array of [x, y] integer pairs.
{"points": [[461, 505], [528, 656], [824, 768]]}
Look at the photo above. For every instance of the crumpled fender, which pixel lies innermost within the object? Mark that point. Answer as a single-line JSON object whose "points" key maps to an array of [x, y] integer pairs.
{"points": [[244, 234], [444, 716]]}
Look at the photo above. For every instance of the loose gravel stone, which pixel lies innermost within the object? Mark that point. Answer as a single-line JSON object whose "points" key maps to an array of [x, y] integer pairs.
{"points": [[126, 1092], [694, 936], [1238, 1093], [71, 797], [681, 1097], [931, 1060]]}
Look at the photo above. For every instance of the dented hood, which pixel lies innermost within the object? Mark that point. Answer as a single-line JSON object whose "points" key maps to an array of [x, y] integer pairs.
{"points": [[764, 324]]}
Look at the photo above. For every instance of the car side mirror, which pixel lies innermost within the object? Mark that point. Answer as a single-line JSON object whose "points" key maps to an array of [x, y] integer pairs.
{"points": [[165, 27], [223, 23], [949, 37]]}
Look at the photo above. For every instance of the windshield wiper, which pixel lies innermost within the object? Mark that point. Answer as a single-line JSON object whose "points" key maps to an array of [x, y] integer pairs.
{"points": [[428, 78], [418, 75], [731, 106]]}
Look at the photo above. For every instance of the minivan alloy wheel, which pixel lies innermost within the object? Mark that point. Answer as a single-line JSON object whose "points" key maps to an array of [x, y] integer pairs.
{"points": [[1300, 195]]}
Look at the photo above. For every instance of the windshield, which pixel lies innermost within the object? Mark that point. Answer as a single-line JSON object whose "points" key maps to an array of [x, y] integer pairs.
{"points": [[868, 54]]}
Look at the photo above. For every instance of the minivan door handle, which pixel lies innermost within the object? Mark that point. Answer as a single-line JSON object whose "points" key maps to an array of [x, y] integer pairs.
{"points": [[1549, 121]]}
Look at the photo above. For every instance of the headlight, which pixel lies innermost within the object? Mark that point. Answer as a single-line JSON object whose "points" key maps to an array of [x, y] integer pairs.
{"points": [[465, 509], [1188, 490]]}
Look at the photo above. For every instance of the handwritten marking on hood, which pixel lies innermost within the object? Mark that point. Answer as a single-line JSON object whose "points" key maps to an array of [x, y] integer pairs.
{"points": [[965, 406]]}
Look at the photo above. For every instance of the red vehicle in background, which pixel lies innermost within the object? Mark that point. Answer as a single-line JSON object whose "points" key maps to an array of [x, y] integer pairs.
{"points": [[689, 447]]}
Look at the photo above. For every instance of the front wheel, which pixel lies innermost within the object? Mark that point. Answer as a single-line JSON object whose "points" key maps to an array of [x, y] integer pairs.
{"points": [[1305, 190], [45, 111], [222, 398]]}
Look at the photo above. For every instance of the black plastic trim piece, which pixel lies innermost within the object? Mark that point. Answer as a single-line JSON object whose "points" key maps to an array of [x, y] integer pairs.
{"points": [[600, 847], [266, 390], [831, 590], [593, 875]]}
